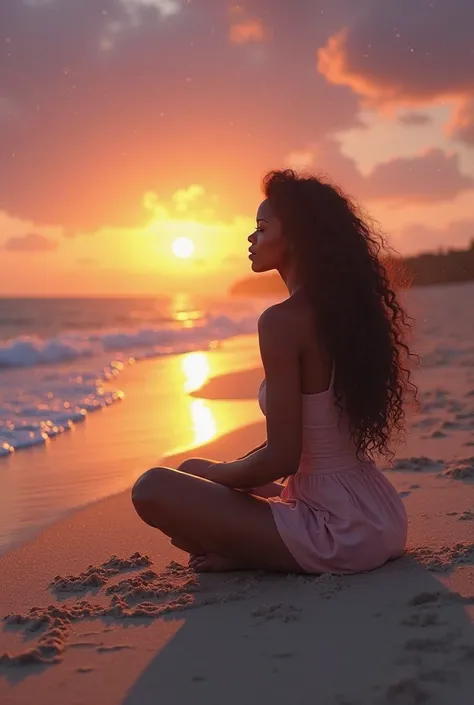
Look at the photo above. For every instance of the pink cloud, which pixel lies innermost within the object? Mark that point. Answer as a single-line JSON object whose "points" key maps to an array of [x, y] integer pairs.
{"points": [[413, 119], [31, 242], [462, 124], [114, 104], [429, 177], [404, 53], [245, 28]]}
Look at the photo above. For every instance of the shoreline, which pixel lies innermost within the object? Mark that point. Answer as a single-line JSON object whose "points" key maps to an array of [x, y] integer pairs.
{"points": [[45, 483], [241, 437]]}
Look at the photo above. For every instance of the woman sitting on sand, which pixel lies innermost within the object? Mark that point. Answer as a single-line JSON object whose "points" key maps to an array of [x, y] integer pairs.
{"points": [[335, 380]]}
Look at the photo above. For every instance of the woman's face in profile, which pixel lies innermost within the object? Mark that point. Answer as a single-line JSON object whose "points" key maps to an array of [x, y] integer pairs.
{"points": [[268, 247]]}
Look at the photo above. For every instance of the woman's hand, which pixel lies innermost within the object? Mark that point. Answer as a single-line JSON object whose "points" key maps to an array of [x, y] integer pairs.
{"points": [[214, 472], [199, 467]]}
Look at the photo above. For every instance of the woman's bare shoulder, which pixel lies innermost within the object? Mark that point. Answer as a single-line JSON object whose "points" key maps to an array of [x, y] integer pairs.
{"points": [[279, 317], [290, 322]]}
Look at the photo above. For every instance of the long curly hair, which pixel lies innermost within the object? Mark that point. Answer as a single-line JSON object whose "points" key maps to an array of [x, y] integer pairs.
{"points": [[340, 259]]}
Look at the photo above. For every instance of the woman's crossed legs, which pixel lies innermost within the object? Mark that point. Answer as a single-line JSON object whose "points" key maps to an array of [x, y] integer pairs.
{"points": [[222, 528]]}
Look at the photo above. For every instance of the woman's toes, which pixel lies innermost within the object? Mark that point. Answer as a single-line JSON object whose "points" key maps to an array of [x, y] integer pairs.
{"points": [[202, 564], [211, 563], [195, 560]]}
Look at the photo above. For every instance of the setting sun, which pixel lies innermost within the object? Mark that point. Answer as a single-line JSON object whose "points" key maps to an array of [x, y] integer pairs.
{"points": [[183, 247]]}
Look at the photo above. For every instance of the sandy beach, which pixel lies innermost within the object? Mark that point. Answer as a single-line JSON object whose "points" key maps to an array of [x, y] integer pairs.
{"points": [[101, 609], [192, 191], [104, 455]]}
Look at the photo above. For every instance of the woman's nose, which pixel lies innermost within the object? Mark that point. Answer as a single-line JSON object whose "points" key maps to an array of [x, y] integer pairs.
{"points": [[252, 239]]}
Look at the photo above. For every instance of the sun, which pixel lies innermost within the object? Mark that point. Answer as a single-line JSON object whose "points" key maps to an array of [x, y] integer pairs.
{"points": [[183, 247]]}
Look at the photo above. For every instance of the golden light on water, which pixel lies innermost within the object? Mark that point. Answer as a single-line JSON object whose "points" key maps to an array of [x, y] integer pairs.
{"points": [[196, 370], [204, 422], [183, 247]]}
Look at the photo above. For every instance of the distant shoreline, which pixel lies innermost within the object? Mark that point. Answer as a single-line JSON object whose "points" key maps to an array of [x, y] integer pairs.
{"points": [[427, 269]]}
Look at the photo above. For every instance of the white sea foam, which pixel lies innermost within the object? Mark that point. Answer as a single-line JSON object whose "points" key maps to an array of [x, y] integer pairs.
{"points": [[27, 351], [41, 397]]}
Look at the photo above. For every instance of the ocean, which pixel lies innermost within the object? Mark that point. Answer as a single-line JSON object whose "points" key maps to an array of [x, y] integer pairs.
{"points": [[60, 359]]}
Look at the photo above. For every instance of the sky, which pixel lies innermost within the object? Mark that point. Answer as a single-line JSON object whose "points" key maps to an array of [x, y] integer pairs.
{"points": [[126, 124]]}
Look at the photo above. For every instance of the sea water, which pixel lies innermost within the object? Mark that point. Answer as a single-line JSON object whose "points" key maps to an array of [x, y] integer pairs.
{"points": [[61, 359]]}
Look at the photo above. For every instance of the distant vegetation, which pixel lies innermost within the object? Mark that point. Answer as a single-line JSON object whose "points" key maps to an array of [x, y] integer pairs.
{"points": [[442, 267]]}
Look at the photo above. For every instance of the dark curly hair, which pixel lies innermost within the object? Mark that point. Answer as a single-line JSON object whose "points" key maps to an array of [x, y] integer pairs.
{"points": [[339, 256]]}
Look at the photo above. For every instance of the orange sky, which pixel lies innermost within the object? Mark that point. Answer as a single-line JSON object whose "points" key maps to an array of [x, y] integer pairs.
{"points": [[125, 128]]}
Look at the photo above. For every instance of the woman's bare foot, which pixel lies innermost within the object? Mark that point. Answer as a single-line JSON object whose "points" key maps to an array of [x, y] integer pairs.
{"points": [[211, 563]]}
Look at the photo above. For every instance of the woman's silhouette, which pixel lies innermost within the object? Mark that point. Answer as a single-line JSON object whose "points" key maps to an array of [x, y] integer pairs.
{"points": [[336, 374]]}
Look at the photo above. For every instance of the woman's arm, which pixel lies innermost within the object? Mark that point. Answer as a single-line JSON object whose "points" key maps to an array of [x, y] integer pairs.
{"points": [[280, 456], [254, 450]]}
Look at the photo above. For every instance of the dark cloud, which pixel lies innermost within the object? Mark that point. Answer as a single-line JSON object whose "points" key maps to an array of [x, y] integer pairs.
{"points": [[31, 242], [427, 178], [398, 51], [103, 101], [414, 119]]}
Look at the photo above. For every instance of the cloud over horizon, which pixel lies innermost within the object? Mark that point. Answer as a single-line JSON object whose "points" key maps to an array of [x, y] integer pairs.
{"points": [[102, 104], [401, 53], [429, 177], [31, 242], [91, 120]]}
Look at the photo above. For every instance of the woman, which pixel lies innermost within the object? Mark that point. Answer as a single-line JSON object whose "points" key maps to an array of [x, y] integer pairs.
{"points": [[333, 355]]}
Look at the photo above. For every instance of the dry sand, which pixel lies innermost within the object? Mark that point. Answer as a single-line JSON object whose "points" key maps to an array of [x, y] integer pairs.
{"points": [[103, 610]]}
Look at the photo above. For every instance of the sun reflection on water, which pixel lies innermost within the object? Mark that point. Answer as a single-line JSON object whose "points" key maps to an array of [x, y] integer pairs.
{"points": [[204, 422], [196, 371]]}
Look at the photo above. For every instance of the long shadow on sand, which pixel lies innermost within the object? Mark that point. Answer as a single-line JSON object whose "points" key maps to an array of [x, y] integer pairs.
{"points": [[396, 635]]}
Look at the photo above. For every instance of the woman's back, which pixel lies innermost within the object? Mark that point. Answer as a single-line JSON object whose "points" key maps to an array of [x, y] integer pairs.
{"points": [[326, 445], [326, 442]]}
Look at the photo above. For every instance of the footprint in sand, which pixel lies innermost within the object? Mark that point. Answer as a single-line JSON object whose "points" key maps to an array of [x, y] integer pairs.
{"points": [[96, 576], [445, 558], [422, 619], [54, 622], [279, 611], [431, 645], [438, 675], [417, 464], [406, 691], [460, 469], [436, 434], [466, 516], [439, 598]]}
